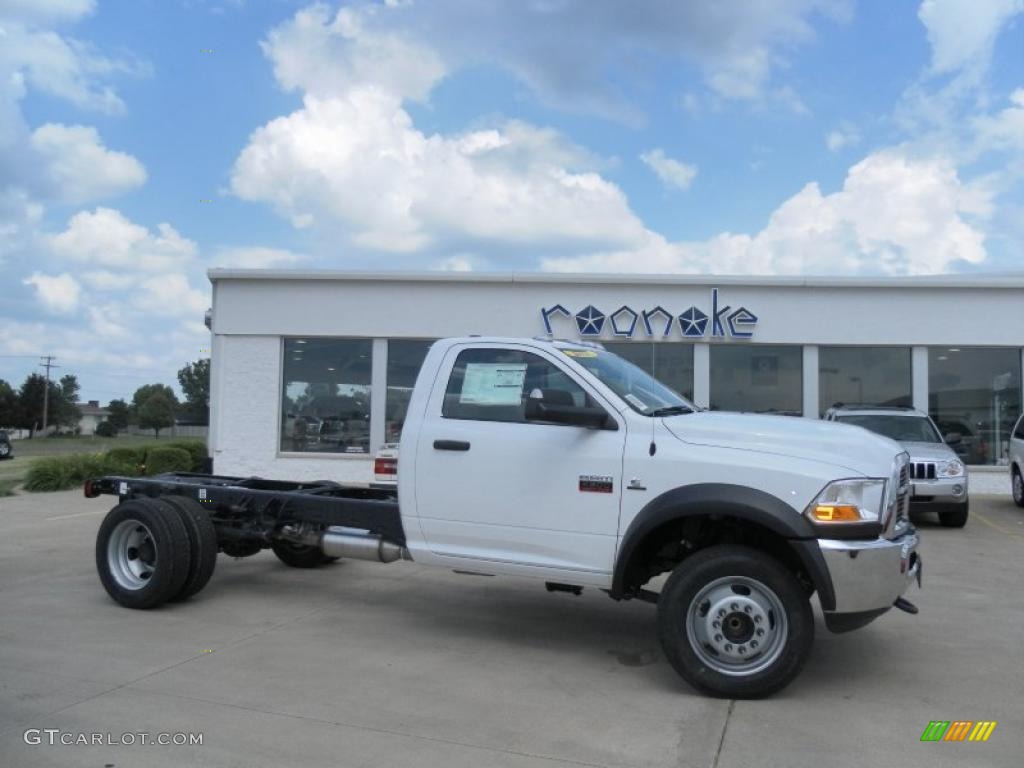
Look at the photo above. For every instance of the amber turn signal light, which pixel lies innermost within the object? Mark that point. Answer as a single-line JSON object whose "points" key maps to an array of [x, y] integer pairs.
{"points": [[836, 513]]}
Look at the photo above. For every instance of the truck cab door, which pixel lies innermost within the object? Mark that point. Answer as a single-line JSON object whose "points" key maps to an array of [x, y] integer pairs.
{"points": [[498, 488]]}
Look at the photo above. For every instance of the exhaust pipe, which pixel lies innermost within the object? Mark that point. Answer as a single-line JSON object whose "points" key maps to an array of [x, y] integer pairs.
{"points": [[361, 546]]}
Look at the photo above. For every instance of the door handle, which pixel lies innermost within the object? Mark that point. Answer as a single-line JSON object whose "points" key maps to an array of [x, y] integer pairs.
{"points": [[451, 445]]}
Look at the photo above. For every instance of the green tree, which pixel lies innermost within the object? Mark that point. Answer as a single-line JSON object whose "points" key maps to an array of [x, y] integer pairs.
{"points": [[157, 412], [8, 405], [143, 393], [118, 414], [195, 383], [65, 411]]}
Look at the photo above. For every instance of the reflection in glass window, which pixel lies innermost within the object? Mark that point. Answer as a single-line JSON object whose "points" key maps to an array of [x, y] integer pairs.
{"points": [[975, 392], [669, 363], [404, 361], [325, 402], [864, 376], [760, 378]]}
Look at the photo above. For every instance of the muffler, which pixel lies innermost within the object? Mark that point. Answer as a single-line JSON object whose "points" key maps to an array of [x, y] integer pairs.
{"points": [[361, 546]]}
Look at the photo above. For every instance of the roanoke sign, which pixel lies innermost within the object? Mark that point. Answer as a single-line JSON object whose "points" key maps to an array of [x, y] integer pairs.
{"points": [[625, 322]]}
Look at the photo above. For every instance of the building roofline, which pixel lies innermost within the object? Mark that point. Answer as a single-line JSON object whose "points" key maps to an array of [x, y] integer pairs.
{"points": [[1006, 281]]}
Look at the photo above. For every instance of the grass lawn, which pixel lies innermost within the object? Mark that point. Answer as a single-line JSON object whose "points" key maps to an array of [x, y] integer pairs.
{"points": [[12, 471]]}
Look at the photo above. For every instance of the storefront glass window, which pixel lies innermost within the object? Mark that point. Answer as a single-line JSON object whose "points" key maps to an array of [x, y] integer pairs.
{"points": [[325, 404], [975, 392], [863, 375], [669, 363], [758, 378], [404, 361]]}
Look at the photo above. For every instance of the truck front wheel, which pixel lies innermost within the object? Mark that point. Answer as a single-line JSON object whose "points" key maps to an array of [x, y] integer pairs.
{"points": [[734, 622]]}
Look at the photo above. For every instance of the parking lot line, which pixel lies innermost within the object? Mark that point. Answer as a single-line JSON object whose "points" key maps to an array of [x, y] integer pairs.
{"points": [[78, 514], [994, 526]]}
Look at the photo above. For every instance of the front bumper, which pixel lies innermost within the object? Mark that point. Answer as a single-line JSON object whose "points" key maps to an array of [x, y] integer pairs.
{"points": [[868, 575], [939, 494]]}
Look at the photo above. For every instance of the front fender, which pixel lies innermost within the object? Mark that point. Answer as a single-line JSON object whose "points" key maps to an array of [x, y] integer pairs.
{"points": [[726, 500]]}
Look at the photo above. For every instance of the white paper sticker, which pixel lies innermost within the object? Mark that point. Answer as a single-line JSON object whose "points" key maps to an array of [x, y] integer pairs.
{"points": [[202, 493], [493, 384], [123, 489], [636, 401]]}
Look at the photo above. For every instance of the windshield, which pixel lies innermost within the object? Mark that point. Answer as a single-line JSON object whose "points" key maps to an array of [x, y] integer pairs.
{"points": [[908, 429], [641, 391]]}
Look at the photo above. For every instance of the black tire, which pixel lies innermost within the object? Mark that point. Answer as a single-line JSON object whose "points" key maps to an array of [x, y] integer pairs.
{"points": [[162, 545], [699, 572], [299, 555], [1018, 487], [202, 536], [956, 519]]}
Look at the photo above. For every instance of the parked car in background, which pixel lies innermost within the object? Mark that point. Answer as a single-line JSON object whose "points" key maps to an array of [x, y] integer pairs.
{"points": [[5, 445], [1017, 462], [938, 475]]}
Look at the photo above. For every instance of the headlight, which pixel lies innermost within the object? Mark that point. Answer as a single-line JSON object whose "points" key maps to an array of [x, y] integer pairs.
{"points": [[849, 501], [952, 468]]}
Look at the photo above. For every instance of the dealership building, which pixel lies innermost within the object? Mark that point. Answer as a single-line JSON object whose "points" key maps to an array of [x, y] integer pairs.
{"points": [[312, 371]]}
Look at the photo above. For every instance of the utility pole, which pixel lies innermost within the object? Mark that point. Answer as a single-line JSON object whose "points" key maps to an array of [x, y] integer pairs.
{"points": [[46, 392]]}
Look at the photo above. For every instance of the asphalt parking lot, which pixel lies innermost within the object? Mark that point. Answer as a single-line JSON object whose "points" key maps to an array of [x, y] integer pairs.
{"points": [[363, 664]]}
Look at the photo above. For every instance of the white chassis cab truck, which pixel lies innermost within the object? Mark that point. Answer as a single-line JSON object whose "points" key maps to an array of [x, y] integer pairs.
{"points": [[560, 461]]}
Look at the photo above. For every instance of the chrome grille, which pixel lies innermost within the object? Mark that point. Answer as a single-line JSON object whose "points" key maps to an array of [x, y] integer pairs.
{"points": [[898, 519], [922, 470]]}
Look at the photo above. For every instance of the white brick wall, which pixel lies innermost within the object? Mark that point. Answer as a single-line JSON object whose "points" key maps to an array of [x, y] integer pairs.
{"points": [[247, 409]]}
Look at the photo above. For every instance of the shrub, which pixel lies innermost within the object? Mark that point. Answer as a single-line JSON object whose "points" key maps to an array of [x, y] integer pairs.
{"points": [[134, 457], [58, 473], [105, 429], [167, 459], [196, 450]]}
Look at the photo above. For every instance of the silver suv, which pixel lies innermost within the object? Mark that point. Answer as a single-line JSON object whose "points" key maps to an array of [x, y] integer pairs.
{"points": [[938, 476], [1017, 462]]}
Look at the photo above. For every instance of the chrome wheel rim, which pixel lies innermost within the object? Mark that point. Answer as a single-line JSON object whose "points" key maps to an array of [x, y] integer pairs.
{"points": [[131, 554], [737, 626], [4, 449]]}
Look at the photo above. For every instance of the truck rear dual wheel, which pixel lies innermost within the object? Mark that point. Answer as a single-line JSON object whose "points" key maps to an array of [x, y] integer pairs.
{"points": [[735, 623], [151, 551]]}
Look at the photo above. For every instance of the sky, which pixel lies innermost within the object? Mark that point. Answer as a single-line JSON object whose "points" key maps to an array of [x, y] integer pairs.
{"points": [[144, 141]]}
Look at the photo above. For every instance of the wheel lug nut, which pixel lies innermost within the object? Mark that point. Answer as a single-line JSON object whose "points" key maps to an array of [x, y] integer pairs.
{"points": [[757, 619], [742, 649], [721, 613], [753, 643], [716, 624], [728, 646], [718, 638], [734, 607], [760, 633], [746, 609]]}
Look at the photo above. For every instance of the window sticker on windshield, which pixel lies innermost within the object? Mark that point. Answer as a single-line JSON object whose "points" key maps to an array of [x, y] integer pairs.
{"points": [[493, 383], [579, 352], [636, 401]]}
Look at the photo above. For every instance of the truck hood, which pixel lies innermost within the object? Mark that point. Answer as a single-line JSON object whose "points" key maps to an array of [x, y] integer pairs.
{"points": [[852, 448]]}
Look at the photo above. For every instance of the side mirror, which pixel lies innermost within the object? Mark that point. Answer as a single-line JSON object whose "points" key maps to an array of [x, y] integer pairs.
{"points": [[952, 438], [556, 407]]}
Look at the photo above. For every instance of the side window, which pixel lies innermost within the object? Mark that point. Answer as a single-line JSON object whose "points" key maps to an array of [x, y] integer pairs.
{"points": [[493, 384], [1018, 431]]}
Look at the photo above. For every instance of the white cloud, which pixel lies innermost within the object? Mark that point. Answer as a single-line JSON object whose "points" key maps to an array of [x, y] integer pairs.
{"points": [[359, 162], [326, 56], [106, 238], [673, 173], [1003, 131], [256, 257], [169, 295], [843, 136], [962, 33], [46, 11], [894, 215], [80, 167], [58, 293]]}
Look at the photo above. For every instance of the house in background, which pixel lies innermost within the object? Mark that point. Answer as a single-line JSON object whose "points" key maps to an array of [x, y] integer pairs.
{"points": [[92, 415]]}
